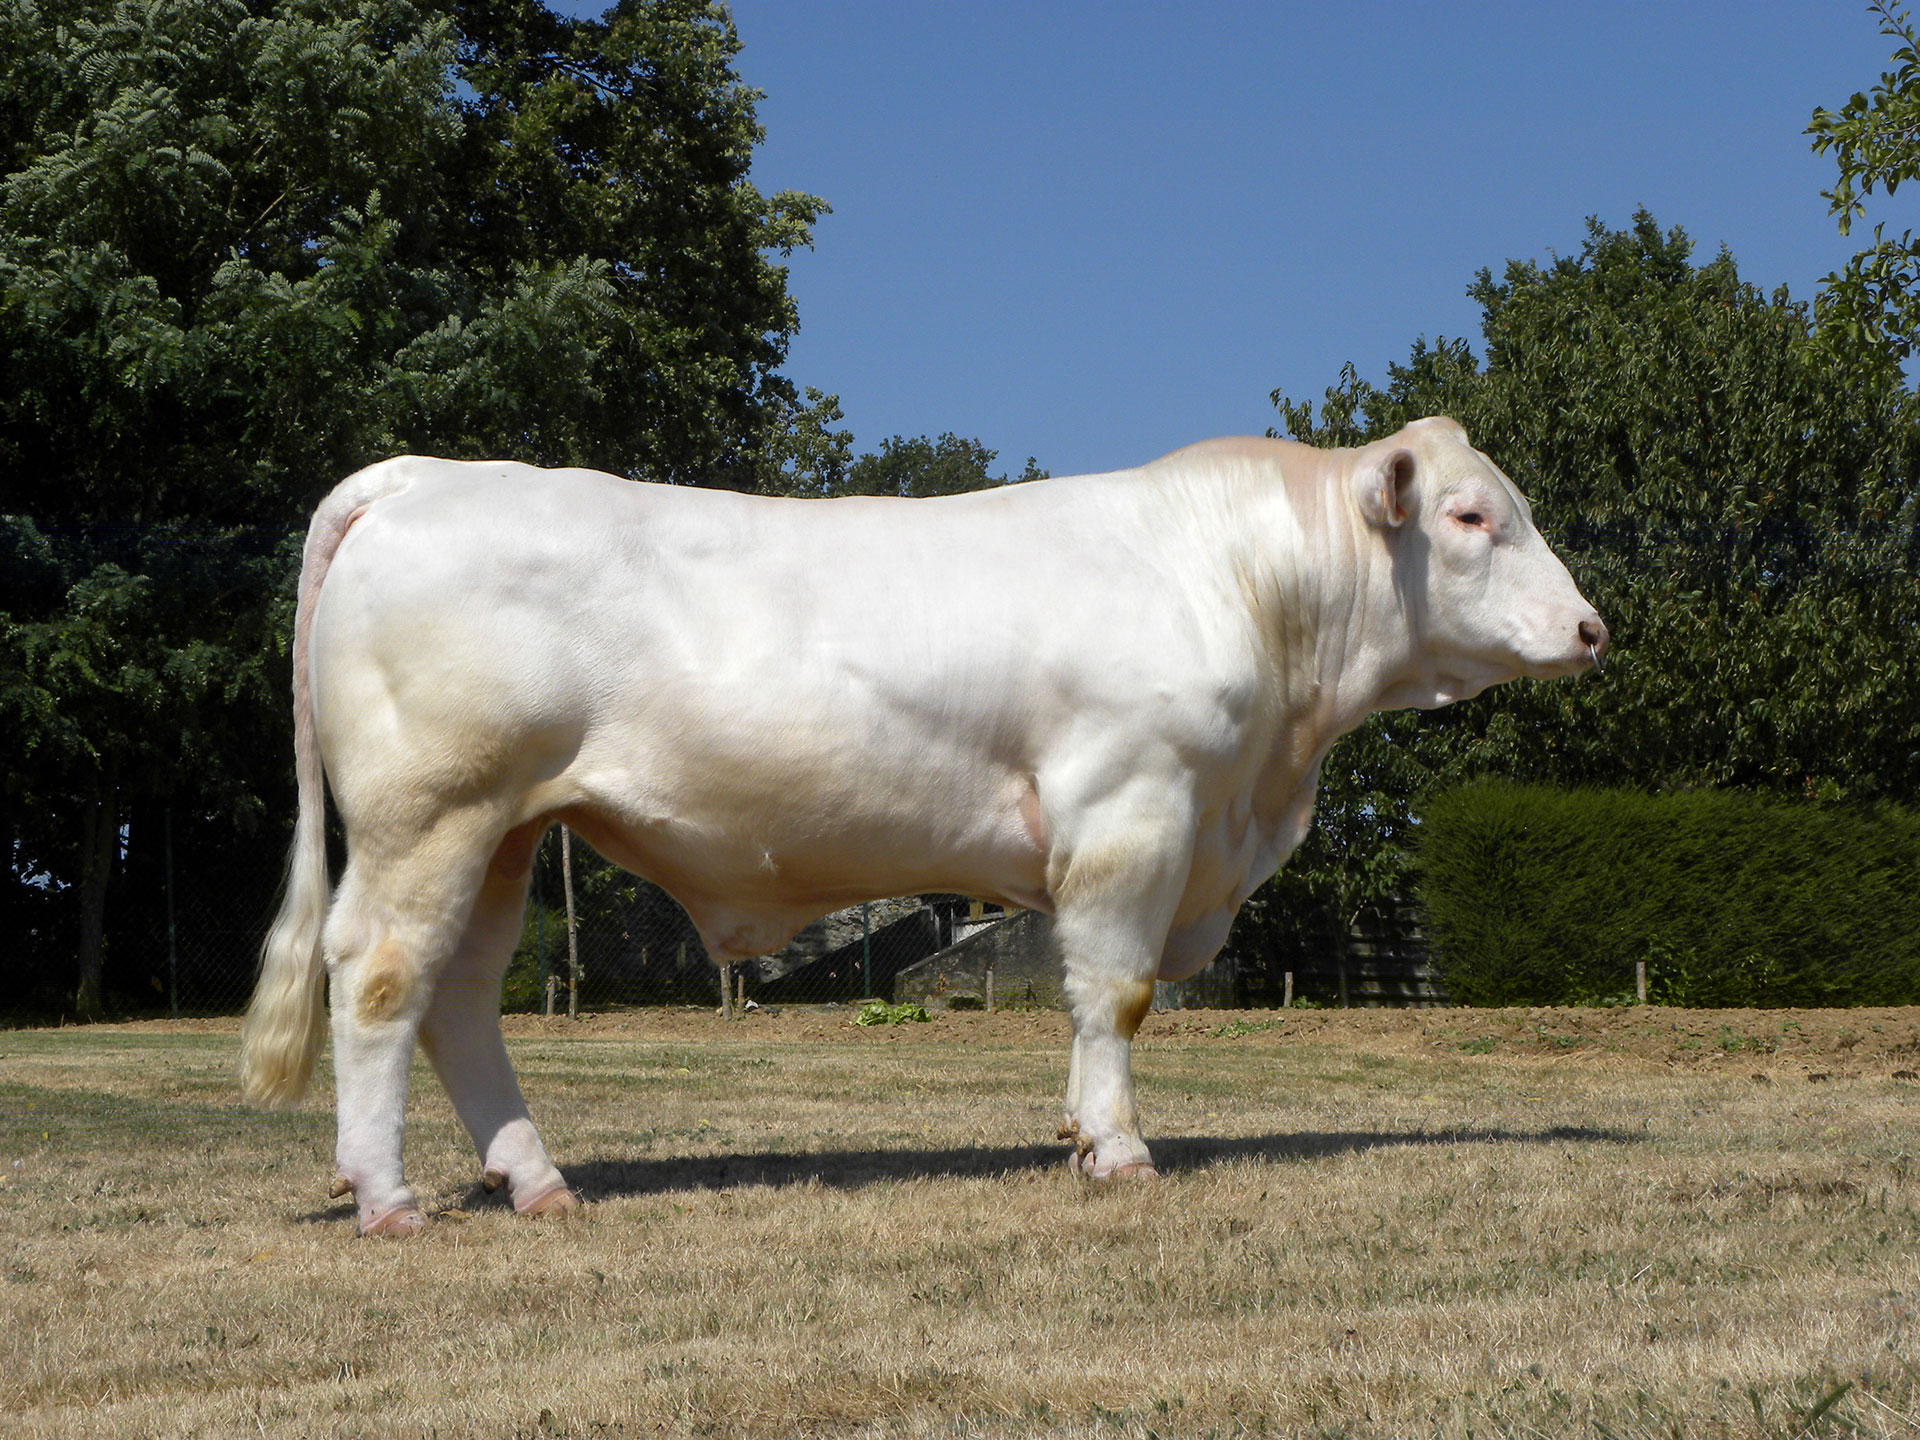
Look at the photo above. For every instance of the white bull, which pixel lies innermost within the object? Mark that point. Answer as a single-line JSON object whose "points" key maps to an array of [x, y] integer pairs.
{"points": [[1103, 697]]}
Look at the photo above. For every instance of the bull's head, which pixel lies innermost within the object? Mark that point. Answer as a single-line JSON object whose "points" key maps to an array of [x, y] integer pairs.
{"points": [[1483, 597]]}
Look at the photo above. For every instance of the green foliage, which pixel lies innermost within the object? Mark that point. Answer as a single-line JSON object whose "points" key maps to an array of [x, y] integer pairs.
{"points": [[543, 937], [1737, 502], [245, 249], [879, 1012], [1537, 896], [947, 466], [1234, 1029], [1870, 310], [910, 468]]}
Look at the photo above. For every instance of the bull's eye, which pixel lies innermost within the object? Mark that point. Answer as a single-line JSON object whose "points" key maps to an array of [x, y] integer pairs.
{"points": [[1472, 518]]}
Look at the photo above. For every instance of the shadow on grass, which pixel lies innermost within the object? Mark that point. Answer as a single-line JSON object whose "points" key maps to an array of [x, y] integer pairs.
{"points": [[1173, 1155]]}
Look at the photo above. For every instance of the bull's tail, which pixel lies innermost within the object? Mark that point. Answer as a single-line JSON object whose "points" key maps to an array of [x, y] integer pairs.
{"points": [[285, 1022]]}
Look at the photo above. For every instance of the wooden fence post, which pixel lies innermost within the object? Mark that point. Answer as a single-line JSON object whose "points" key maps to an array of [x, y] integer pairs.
{"points": [[546, 961], [573, 930]]}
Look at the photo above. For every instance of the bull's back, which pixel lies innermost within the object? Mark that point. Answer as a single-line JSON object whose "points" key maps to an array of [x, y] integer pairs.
{"points": [[719, 656], [756, 603]]}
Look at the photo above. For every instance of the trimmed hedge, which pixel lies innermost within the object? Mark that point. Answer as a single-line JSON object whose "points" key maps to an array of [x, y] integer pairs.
{"points": [[1549, 897]]}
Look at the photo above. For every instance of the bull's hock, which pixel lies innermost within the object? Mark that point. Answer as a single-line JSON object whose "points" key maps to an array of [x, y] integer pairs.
{"points": [[1021, 953]]}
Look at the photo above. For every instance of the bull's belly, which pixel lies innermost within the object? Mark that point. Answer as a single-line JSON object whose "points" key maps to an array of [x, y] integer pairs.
{"points": [[755, 847], [751, 875]]}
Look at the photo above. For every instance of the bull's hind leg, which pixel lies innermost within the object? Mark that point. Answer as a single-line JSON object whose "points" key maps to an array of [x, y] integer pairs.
{"points": [[461, 1034], [399, 915]]}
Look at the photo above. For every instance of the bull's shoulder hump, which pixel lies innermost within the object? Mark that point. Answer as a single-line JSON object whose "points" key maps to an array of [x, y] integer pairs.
{"points": [[1241, 447], [1287, 460], [1301, 472]]}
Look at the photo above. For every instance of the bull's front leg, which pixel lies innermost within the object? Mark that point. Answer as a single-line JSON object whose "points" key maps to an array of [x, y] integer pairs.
{"points": [[1113, 903], [1102, 1120]]}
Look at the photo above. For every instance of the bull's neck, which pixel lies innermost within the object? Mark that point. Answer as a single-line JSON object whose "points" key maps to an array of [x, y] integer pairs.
{"points": [[1326, 614]]}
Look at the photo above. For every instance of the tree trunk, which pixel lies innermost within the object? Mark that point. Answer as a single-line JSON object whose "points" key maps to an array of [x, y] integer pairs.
{"points": [[1342, 948], [99, 845]]}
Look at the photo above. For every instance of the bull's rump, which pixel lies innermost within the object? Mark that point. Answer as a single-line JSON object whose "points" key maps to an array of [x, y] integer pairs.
{"points": [[791, 703]]}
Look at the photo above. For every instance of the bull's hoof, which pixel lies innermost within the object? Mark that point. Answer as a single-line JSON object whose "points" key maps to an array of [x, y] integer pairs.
{"points": [[1084, 1164], [401, 1221], [556, 1203], [340, 1186], [492, 1180]]}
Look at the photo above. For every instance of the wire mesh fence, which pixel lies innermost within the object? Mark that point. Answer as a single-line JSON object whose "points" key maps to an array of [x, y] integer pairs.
{"points": [[183, 938], [189, 945], [631, 944]]}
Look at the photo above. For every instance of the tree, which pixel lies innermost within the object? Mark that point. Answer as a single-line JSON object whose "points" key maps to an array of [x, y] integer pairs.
{"points": [[1737, 502], [919, 466], [247, 247], [947, 466], [1870, 310]]}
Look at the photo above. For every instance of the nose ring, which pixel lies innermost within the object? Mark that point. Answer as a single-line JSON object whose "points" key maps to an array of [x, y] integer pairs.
{"points": [[1593, 654]]}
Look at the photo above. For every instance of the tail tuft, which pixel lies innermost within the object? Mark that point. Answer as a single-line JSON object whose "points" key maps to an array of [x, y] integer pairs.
{"points": [[286, 1020]]}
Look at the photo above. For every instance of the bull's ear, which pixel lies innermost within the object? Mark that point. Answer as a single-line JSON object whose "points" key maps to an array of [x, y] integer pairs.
{"points": [[1383, 489]]}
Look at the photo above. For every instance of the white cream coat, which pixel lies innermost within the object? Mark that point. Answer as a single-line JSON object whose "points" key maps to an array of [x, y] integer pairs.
{"points": [[1104, 697]]}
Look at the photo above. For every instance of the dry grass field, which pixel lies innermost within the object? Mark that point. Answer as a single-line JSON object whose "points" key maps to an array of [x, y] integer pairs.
{"points": [[1527, 1223]]}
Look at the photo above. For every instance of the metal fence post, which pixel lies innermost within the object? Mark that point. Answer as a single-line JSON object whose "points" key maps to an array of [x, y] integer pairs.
{"points": [[866, 950]]}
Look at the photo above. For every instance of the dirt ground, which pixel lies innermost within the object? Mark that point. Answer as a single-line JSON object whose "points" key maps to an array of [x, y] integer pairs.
{"points": [[1773, 1044]]}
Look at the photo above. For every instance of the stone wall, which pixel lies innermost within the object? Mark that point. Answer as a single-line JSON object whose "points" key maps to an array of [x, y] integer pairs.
{"points": [[822, 938], [1027, 973], [1021, 954]]}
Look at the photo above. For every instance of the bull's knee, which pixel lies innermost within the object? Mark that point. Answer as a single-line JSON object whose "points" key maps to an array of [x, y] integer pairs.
{"points": [[1130, 1007], [1103, 1004]]}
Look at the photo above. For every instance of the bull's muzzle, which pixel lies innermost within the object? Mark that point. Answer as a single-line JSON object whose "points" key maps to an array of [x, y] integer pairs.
{"points": [[1593, 634]]}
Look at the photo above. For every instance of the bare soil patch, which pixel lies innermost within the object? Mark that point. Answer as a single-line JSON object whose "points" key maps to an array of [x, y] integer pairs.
{"points": [[1867, 1041], [1776, 1043]]}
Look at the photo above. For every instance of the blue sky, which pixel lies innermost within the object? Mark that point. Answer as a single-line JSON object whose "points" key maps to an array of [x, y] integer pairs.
{"points": [[1092, 233]]}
